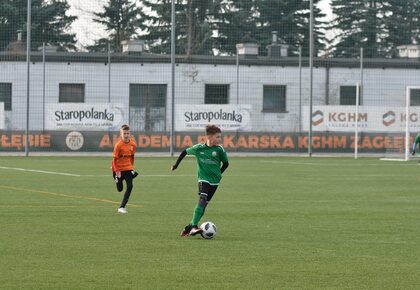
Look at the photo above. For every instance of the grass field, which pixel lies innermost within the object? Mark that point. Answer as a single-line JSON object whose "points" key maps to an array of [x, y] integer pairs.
{"points": [[283, 223]]}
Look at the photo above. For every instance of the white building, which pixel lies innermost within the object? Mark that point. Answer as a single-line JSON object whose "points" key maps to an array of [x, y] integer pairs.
{"points": [[276, 89]]}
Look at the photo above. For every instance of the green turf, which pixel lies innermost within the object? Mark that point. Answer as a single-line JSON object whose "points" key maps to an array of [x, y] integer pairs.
{"points": [[283, 223]]}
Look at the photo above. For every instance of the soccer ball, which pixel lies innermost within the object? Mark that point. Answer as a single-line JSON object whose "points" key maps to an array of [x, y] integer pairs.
{"points": [[209, 230]]}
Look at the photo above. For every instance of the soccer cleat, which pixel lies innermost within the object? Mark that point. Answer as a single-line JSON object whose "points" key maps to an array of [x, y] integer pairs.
{"points": [[186, 231], [122, 210], [134, 173], [195, 230]]}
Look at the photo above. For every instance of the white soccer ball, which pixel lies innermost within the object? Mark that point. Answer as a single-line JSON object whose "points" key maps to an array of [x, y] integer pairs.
{"points": [[209, 230]]}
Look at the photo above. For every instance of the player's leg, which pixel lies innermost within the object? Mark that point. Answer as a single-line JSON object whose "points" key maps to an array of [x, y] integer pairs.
{"points": [[134, 173], [118, 182], [206, 192], [199, 209], [128, 177]]}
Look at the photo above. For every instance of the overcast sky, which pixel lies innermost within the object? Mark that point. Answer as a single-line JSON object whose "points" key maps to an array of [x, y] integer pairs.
{"points": [[87, 31]]}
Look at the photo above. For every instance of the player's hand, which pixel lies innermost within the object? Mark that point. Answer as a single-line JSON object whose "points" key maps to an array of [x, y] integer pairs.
{"points": [[413, 152], [173, 167], [118, 174]]}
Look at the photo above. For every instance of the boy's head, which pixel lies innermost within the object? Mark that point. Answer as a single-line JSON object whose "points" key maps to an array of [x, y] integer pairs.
{"points": [[214, 135], [125, 133]]}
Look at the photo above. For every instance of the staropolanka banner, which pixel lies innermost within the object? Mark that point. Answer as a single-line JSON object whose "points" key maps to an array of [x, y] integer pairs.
{"points": [[77, 116], [227, 117], [369, 119]]}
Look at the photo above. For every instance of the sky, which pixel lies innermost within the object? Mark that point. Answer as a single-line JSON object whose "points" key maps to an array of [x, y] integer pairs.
{"points": [[87, 31]]}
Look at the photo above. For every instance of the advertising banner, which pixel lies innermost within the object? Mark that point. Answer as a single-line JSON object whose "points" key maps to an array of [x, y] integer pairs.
{"points": [[227, 117], [286, 142], [82, 116], [370, 119]]}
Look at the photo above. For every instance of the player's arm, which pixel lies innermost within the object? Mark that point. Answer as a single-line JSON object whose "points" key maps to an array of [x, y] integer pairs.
{"points": [[181, 156], [224, 159], [132, 156], [115, 168], [225, 165], [115, 162]]}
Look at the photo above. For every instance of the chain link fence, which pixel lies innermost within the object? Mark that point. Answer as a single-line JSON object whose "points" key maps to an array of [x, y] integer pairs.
{"points": [[243, 67]]}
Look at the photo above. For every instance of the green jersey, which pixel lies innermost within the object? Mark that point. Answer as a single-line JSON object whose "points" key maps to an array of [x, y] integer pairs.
{"points": [[417, 140], [208, 162]]}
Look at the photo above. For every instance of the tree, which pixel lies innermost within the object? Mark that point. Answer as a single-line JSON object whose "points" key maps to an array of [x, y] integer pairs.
{"points": [[291, 20], [122, 20], [199, 26], [255, 21], [403, 24], [237, 23], [50, 23], [204, 25], [194, 25], [362, 23]]}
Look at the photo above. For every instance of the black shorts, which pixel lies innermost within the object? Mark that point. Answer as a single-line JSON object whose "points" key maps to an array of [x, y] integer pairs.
{"points": [[127, 175], [206, 189]]}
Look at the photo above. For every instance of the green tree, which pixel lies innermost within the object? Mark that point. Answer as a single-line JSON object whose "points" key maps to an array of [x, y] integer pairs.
{"points": [[122, 20], [199, 26], [50, 23], [361, 23], [403, 24], [194, 25], [291, 20], [255, 21], [236, 23]]}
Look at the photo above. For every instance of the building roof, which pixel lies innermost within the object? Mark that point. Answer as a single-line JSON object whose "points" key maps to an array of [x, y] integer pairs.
{"points": [[93, 57]]}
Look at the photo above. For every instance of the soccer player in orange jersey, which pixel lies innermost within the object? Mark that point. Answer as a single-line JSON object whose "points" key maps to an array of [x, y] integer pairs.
{"points": [[123, 164]]}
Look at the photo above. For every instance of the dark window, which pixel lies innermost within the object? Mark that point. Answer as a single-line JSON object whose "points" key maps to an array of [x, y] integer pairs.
{"points": [[72, 93], [414, 97], [6, 95], [348, 95], [216, 94], [274, 99], [148, 107]]}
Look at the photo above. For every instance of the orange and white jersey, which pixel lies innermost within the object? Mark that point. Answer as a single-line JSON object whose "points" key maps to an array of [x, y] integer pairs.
{"points": [[124, 156]]}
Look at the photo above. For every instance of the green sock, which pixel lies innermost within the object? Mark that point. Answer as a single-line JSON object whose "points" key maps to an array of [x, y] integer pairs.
{"points": [[198, 213], [204, 210]]}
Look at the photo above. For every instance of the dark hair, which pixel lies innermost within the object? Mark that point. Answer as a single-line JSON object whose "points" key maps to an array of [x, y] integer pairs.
{"points": [[212, 129], [125, 127]]}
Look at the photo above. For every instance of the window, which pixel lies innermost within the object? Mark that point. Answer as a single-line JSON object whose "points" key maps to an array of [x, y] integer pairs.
{"points": [[216, 94], [274, 99], [6, 95], [72, 93], [415, 97], [148, 107], [348, 95]]}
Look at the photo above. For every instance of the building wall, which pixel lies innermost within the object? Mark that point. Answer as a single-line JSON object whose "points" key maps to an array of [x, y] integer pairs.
{"points": [[381, 87]]}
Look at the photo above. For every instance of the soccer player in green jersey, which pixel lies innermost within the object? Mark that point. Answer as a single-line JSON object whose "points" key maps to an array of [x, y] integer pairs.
{"points": [[416, 141], [212, 161]]}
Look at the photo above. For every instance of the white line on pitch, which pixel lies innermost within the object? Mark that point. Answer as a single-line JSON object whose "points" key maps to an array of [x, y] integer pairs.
{"points": [[110, 175], [39, 171], [330, 164]]}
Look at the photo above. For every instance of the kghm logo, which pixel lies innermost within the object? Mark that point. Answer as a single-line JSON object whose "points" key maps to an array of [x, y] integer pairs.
{"points": [[388, 118], [317, 118]]}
